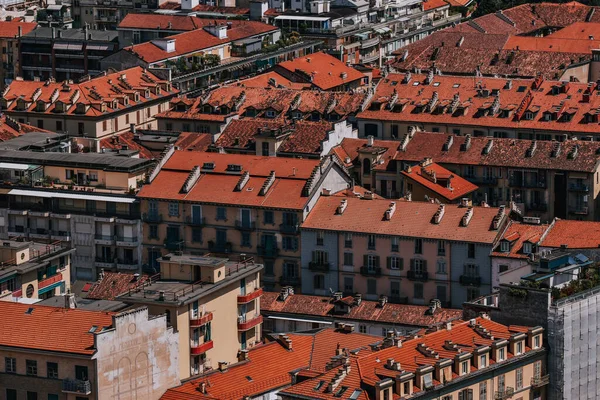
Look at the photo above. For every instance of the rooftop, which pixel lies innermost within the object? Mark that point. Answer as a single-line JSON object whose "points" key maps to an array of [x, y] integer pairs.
{"points": [[10, 128], [97, 35], [85, 304], [64, 330], [35, 141], [272, 79], [125, 141], [10, 29], [181, 23], [573, 234], [37, 255], [516, 234], [112, 284], [438, 179]]}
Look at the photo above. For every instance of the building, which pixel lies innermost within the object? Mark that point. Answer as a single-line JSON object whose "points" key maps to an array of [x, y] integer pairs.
{"points": [[10, 32], [283, 138], [141, 28], [264, 370], [55, 16], [34, 270], [321, 71], [407, 251], [576, 236], [64, 54], [288, 312], [93, 109], [85, 200], [213, 303], [233, 204], [545, 179], [10, 129], [85, 354], [106, 14], [489, 359]]}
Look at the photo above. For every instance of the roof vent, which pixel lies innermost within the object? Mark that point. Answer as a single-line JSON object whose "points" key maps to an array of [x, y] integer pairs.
{"points": [[498, 218], [429, 78], [467, 144], [268, 183], [448, 144], [531, 150], [390, 211], [467, 217], [488, 146], [573, 152], [191, 179], [439, 214], [342, 207], [242, 181], [407, 77], [210, 166]]}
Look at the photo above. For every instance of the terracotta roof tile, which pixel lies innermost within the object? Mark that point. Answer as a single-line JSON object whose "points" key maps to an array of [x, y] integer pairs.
{"points": [[10, 29], [455, 188], [433, 4], [194, 141], [50, 328], [517, 234], [272, 79], [114, 284], [574, 234], [163, 22], [176, 5], [126, 139]]}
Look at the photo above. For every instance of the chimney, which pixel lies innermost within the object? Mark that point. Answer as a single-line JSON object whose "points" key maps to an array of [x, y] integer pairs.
{"points": [[132, 128], [243, 355], [370, 140], [70, 300], [223, 366], [342, 207], [19, 31]]}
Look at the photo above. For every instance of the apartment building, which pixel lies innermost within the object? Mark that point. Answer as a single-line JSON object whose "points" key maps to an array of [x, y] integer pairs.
{"points": [[64, 54], [213, 303], [576, 236], [544, 179], [489, 360], [141, 28], [234, 204], [85, 200], [69, 353], [55, 16], [410, 252], [10, 32], [287, 312], [98, 107], [34, 270]]}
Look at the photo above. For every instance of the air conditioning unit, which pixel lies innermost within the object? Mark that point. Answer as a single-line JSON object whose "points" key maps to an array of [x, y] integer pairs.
{"points": [[532, 220]]}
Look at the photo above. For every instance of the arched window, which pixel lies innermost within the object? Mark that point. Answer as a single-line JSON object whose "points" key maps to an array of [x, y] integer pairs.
{"points": [[367, 166]]}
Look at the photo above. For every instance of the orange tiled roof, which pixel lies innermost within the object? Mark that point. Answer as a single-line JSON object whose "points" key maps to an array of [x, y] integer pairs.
{"points": [[50, 328], [192, 141], [199, 39], [126, 139], [551, 44], [163, 22], [433, 4], [176, 5], [456, 188], [327, 72], [517, 234], [272, 79], [114, 284], [10, 128], [10, 29], [397, 314], [116, 91], [574, 234]]}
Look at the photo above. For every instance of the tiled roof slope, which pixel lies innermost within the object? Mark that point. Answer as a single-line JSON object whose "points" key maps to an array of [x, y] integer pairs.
{"points": [[320, 306], [126, 140], [227, 101], [10, 128], [410, 219], [487, 102], [113, 284], [574, 234], [192, 141], [272, 79], [176, 5], [428, 176], [10, 29], [50, 328], [324, 71], [199, 39], [163, 22], [116, 91], [269, 366], [501, 152], [517, 234]]}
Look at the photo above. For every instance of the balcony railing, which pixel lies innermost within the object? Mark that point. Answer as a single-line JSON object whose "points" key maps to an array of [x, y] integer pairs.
{"points": [[247, 298], [152, 217], [245, 225], [198, 369], [370, 271], [244, 323], [219, 247], [470, 280], [527, 183], [197, 320], [268, 251], [288, 229], [537, 382], [579, 187], [579, 210], [289, 280], [197, 221], [539, 206], [108, 238], [421, 276], [318, 266], [50, 281], [199, 348], [504, 394], [76, 386]]}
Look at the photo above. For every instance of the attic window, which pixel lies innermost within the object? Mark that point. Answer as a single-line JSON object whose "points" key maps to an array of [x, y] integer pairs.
{"points": [[319, 385], [415, 83], [527, 248], [93, 329], [436, 84], [529, 115], [394, 83], [504, 246], [341, 391], [249, 378], [270, 114], [521, 88], [355, 394], [29, 311], [456, 85]]}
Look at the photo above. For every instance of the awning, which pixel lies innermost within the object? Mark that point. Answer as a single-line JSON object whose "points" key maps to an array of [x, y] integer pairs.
{"points": [[75, 46], [102, 47], [51, 287], [313, 321], [8, 277], [302, 18], [363, 36], [385, 29], [60, 46], [20, 167], [62, 195]]}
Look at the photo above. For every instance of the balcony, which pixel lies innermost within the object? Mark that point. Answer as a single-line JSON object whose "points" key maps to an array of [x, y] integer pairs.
{"points": [[152, 217], [289, 280], [50, 281], [195, 221], [538, 382], [268, 252], [60, 216], [17, 212], [105, 262], [127, 265], [578, 187], [469, 280], [104, 239], [245, 225], [527, 183], [199, 348], [245, 323], [538, 206], [288, 229], [247, 298], [104, 218], [507, 393], [369, 43], [76, 386], [60, 235], [17, 230], [196, 320], [320, 266], [219, 247], [578, 210], [174, 244], [420, 276], [367, 58], [198, 369], [370, 271], [125, 241], [39, 213], [39, 233]]}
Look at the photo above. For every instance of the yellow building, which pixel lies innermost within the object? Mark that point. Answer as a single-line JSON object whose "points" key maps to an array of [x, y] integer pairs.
{"points": [[213, 303]]}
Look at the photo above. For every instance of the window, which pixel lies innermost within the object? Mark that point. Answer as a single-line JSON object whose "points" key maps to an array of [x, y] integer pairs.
{"points": [[348, 284], [153, 232], [11, 394], [441, 292], [395, 263], [537, 369], [471, 270], [362, 328], [419, 266], [320, 238], [80, 128], [32, 395], [395, 244], [482, 361], [371, 242], [471, 250], [418, 246], [348, 241], [366, 166], [319, 281], [441, 248], [395, 289], [246, 239], [269, 217], [197, 235], [10, 365], [104, 125], [169, 126], [472, 293], [289, 243], [269, 267], [418, 291], [31, 367], [290, 270], [265, 148], [59, 126], [52, 370], [349, 259], [466, 394], [519, 347], [441, 267], [81, 373], [501, 385], [406, 387], [504, 246], [527, 248], [320, 257], [464, 367], [221, 213], [536, 342], [502, 268], [40, 123], [371, 286], [483, 390], [55, 397], [519, 378], [501, 354], [173, 209]]}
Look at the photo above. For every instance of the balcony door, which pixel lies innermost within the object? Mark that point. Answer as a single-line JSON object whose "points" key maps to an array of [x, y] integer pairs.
{"points": [[245, 217], [196, 214]]}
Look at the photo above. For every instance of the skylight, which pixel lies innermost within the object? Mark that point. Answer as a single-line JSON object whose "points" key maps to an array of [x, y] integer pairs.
{"points": [[249, 378], [355, 394], [341, 391], [415, 83], [436, 84], [456, 85], [319, 385]]}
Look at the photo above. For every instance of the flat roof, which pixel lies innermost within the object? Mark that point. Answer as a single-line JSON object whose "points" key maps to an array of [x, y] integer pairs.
{"points": [[73, 34], [63, 195], [16, 166], [39, 253], [194, 260]]}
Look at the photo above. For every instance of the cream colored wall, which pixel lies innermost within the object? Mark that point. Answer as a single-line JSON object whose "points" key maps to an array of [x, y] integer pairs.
{"points": [[111, 179]]}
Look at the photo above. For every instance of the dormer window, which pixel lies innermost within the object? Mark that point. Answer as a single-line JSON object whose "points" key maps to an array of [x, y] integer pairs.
{"points": [[315, 116], [527, 248], [519, 348], [224, 110], [547, 116], [536, 342], [482, 361], [501, 354], [504, 246], [250, 112], [529, 115], [270, 114], [464, 368], [207, 109], [297, 115], [41, 106]]}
